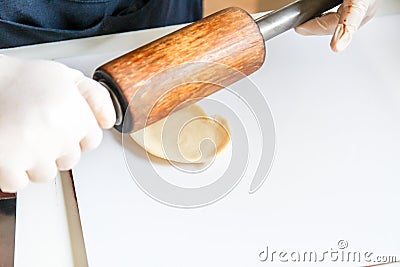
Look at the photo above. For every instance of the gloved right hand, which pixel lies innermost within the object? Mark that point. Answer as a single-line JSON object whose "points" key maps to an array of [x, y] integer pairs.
{"points": [[49, 113], [342, 24]]}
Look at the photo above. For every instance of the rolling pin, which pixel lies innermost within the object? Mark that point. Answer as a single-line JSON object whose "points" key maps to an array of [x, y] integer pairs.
{"points": [[150, 82]]}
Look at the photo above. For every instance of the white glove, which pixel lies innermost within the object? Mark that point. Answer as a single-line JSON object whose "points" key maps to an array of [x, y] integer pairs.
{"points": [[342, 24], [49, 113]]}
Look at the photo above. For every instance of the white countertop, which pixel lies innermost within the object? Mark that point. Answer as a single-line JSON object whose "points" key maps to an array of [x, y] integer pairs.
{"points": [[335, 175]]}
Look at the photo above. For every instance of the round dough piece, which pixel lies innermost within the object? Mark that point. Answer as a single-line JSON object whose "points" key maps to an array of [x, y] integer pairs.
{"points": [[186, 136]]}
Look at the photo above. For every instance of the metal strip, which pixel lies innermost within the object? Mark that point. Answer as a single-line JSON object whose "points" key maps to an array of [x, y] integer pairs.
{"points": [[7, 228], [74, 222], [292, 15]]}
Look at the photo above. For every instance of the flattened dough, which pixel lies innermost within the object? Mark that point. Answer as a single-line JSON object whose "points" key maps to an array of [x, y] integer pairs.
{"points": [[186, 136]]}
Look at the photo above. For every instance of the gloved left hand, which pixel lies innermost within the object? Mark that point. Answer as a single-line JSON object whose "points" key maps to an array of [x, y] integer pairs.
{"points": [[49, 113], [342, 24]]}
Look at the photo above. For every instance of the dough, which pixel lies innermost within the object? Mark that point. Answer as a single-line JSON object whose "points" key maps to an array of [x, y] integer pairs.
{"points": [[186, 136]]}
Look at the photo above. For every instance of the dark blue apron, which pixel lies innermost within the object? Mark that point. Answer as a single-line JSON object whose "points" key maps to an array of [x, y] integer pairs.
{"points": [[24, 22]]}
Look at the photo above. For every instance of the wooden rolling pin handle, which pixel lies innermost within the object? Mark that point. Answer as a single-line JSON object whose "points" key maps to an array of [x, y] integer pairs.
{"points": [[182, 67]]}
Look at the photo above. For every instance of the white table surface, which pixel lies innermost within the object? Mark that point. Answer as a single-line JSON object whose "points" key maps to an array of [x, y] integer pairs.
{"points": [[335, 176]]}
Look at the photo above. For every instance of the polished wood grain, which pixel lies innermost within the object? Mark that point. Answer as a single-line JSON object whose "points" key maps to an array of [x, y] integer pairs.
{"points": [[185, 66]]}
